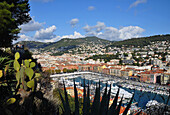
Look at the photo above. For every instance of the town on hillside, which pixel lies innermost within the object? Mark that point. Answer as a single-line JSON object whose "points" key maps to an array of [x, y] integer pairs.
{"points": [[150, 64]]}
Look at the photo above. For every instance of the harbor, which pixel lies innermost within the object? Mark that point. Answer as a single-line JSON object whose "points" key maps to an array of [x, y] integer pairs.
{"points": [[143, 92]]}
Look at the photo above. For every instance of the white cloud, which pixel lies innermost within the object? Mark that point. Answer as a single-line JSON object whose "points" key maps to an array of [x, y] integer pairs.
{"points": [[57, 38], [31, 26], [75, 35], [100, 30], [87, 28], [99, 26], [23, 37], [74, 21], [45, 33], [137, 2], [90, 8], [94, 30], [111, 33], [130, 32]]}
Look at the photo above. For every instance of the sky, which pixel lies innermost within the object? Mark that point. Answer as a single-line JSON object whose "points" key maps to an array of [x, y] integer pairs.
{"points": [[112, 20]]}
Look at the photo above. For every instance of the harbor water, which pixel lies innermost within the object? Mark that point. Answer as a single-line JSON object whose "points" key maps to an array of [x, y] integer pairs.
{"points": [[141, 97]]}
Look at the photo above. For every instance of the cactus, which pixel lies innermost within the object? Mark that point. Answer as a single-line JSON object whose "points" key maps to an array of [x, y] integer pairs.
{"points": [[1, 73], [23, 71], [10, 101], [26, 99]]}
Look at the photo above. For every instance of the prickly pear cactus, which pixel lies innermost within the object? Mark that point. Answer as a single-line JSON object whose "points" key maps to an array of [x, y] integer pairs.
{"points": [[1, 73], [24, 71], [26, 79]]}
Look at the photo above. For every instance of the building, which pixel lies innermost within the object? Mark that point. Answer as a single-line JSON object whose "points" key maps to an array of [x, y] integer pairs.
{"points": [[152, 76], [128, 61], [167, 58], [116, 71], [157, 62], [126, 73], [106, 71]]}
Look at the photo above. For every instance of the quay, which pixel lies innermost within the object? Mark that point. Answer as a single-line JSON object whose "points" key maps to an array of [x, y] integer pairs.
{"points": [[57, 76]]}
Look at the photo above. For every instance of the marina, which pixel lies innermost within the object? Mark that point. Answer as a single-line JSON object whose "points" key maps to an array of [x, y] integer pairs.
{"points": [[143, 92]]}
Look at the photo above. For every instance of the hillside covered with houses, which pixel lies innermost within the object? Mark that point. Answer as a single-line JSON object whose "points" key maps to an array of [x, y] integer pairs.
{"points": [[150, 63]]}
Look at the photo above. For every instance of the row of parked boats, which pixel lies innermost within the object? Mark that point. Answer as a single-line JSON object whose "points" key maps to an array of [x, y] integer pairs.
{"points": [[115, 84], [146, 88], [151, 88], [93, 79]]}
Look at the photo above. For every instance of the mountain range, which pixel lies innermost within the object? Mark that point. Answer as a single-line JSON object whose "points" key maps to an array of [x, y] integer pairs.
{"points": [[68, 43], [143, 41]]}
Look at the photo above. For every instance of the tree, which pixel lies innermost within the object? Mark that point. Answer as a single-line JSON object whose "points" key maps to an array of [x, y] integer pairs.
{"points": [[13, 13], [57, 71], [120, 62], [53, 71], [65, 70]]}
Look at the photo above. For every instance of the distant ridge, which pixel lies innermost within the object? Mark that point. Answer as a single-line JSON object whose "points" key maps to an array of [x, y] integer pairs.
{"points": [[66, 42], [34, 44], [143, 41]]}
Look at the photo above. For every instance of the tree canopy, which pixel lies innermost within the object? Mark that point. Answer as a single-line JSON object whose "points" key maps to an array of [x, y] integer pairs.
{"points": [[13, 13]]}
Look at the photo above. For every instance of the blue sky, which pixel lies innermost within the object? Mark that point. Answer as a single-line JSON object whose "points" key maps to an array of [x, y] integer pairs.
{"points": [[53, 20]]}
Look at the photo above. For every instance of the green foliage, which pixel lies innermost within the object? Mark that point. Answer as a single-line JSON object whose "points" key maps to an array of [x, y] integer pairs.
{"points": [[58, 53], [16, 65], [57, 71], [26, 99], [1, 73], [26, 63], [17, 56], [4, 61], [75, 42], [65, 70], [25, 69], [49, 71], [143, 41], [32, 64], [29, 72], [34, 44], [97, 108], [71, 70], [13, 13], [66, 43], [10, 101], [30, 84], [37, 75]]}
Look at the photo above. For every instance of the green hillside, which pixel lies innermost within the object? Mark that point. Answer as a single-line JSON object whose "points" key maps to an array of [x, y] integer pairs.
{"points": [[34, 44], [143, 41], [65, 42]]}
